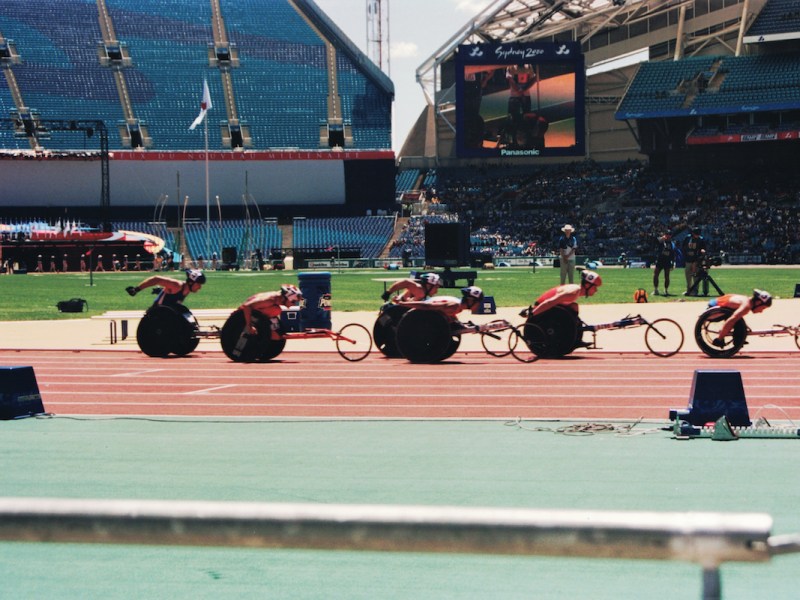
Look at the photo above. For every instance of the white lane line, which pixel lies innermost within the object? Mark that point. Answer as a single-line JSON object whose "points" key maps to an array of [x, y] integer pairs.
{"points": [[129, 374], [207, 390]]}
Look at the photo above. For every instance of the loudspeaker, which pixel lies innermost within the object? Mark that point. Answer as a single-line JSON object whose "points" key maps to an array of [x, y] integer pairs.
{"points": [[19, 393], [446, 244], [229, 254], [715, 394]]}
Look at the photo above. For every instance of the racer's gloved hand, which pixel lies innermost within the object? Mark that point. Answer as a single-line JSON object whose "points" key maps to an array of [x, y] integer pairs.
{"points": [[385, 296], [132, 290]]}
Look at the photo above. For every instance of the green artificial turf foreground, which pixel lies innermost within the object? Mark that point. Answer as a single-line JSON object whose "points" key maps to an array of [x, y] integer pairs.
{"points": [[461, 463]]}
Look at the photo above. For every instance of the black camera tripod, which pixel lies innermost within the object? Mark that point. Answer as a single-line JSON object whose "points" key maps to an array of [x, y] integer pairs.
{"points": [[702, 276]]}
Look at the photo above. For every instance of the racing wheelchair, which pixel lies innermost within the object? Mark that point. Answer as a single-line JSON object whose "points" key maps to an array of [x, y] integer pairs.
{"points": [[353, 341], [168, 329], [710, 322], [559, 331]]}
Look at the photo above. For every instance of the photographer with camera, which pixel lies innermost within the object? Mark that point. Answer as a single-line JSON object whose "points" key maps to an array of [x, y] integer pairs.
{"points": [[694, 249]]}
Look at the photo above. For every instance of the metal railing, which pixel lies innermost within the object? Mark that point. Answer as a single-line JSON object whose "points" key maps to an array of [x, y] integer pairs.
{"points": [[707, 539]]}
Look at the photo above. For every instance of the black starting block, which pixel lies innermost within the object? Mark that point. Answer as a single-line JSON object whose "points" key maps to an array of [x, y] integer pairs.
{"points": [[487, 306], [19, 393], [715, 394]]}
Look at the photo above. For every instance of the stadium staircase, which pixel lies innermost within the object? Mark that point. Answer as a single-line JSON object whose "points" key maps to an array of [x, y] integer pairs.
{"points": [[180, 242], [399, 225], [287, 231]]}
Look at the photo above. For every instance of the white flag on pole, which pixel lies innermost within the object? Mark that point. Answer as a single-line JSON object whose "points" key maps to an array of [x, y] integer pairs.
{"points": [[205, 106]]}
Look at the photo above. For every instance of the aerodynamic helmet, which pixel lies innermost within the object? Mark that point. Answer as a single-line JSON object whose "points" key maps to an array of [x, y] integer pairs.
{"points": [[590, 279], [195, 276], [472, 292], [291, 293], [761, 298], [430, 279]]}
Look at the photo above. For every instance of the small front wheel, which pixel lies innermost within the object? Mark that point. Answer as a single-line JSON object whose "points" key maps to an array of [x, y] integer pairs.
{"points": [[663, 337], [497, 342], [353, 342], [797, 340], [527, 343]]}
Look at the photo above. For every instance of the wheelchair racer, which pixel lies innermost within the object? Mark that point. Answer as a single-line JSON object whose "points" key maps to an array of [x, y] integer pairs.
{"points": [[413, 289], [450, 306], [270, 305], [565, 295], [173, 291], [741, 305]]}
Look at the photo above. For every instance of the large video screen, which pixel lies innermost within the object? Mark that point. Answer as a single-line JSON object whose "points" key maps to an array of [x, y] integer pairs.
{"points": [[520, 100]]}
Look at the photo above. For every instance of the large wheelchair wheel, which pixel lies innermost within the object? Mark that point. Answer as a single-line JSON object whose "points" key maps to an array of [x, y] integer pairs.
{"points": [[424, 336], [384, 332], [241, 347], [454, 343], [526, 343], [707, 328], [562, 332], [166, 330], [186, 341]]}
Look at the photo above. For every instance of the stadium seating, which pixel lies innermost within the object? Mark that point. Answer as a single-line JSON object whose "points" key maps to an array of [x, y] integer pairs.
{"points": [[777, 17], [713, 85], [406, 180], [371, 234], [247, 237], [280, 86]]}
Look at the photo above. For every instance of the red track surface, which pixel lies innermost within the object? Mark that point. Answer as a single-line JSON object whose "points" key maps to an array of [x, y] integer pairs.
{"points": [[584, 385]]}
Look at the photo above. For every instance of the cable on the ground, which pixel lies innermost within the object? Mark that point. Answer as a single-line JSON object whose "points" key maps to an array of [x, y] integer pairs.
{"points": [[585, 429]]}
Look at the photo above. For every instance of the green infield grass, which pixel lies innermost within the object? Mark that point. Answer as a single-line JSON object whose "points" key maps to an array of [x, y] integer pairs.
{"points": [[34, 296]]}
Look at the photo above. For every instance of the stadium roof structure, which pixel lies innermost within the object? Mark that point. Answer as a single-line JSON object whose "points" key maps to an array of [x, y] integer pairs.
{"points": [[616, 37], [531, 20]]}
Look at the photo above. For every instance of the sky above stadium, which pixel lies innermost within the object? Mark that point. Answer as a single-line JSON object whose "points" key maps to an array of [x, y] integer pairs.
{"points": [[417, 29]]}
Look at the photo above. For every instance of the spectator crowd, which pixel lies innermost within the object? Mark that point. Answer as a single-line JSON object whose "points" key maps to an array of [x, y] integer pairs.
{"points": [[622, 208]]}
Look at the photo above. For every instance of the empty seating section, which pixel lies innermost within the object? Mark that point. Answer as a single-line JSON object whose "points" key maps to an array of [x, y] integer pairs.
{"points": [[778, 16], [362, 105], [657, 85], [406, 180], [756, 80], [7, 139], [280, 86], [168, 44], [730, 82], [246, 236], [371, 234], [50, 42]]}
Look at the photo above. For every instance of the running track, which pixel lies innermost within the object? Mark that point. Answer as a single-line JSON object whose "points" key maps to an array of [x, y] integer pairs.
{"points": [[584, 385]]}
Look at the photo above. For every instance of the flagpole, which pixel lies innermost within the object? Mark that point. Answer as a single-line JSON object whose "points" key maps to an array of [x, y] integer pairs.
{"points": [[208, 210], [205, 106]]}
